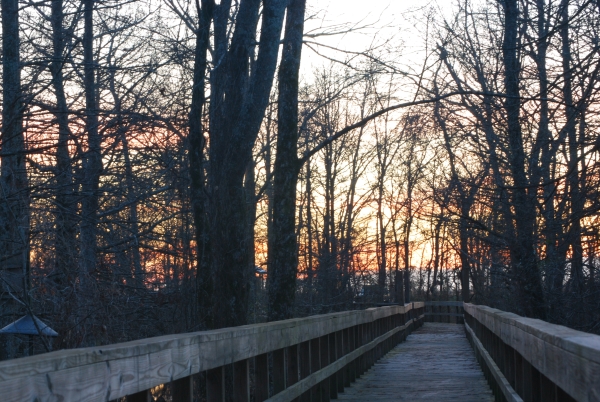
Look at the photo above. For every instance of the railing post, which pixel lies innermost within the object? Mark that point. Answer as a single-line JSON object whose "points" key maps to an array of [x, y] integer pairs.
{"points": [[351, 347], [261, 377], [183, 389], [509, 359], [339, 352], [315, 365], [304, 353], [292, 365], [527, 382], [518, 373], [535, 385], [325, 385], [547, 389], [278, 371], [215, 385], [333, 380], [241, 381]]}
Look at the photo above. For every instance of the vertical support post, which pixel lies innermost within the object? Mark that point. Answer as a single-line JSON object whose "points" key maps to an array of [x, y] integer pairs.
{"points": [[527, 382], [346, 350], [518, 373], [351, 347], [292, 365], [305, 365], [278, 371], [535, 385], [547, 389], [215, 385], [509, 358], [241, 381], [315, 365], [183, 389], [261, 377], [325, 384], [334, 379]]}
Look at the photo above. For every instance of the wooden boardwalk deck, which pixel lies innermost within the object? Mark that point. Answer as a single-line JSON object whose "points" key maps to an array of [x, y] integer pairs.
{"points": [[435, 363]]}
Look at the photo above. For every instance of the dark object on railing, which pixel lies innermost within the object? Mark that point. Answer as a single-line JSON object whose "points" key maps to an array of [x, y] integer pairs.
{"points": [[444, 311], [526, 359], [316, 355]]}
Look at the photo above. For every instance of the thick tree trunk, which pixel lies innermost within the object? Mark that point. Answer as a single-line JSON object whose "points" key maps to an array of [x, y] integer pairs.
{"points": [[14, 195], [196, 160], [552, 229], [574, 233], [92, 168], [283, 258], [526, 272], [239, 105], [65, 215]]}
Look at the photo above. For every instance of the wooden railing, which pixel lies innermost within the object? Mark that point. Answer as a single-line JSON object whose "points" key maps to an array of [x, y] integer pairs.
{"points": [[531, 360], [284, 360], [444, 311]]}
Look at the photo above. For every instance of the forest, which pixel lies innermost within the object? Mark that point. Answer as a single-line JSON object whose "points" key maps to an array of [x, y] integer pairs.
{"points": [[173, 166]]}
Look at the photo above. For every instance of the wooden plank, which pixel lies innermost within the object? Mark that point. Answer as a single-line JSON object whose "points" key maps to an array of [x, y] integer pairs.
{"points": [[292, 369], [278, 373], [215, 385], [261, 377], [241, 381], [435, 363]]}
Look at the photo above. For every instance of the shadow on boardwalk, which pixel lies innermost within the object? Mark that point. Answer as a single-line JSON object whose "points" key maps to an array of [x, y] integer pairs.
{"points": [[435, 363]]}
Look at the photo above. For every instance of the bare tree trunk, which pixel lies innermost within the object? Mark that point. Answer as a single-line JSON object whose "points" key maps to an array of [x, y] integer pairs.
{"points": [[241, 93], [528, 279], [196, 160], [382, 252], [551, 230], [65, 215], [14, 191], [92, 168], [574, 233], [283, 258], [309, 225]]}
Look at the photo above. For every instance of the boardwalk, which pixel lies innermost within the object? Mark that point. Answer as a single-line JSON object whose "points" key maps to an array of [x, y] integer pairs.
{"points": [[436, 363]]}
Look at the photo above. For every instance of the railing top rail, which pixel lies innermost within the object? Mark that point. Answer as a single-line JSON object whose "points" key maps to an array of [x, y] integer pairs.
{"points": [[582, 344], [569, 358], [444, 303], [170, 357]]}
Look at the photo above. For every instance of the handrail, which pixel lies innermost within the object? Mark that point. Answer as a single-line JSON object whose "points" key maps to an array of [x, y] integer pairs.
{"points": [[538, 360], [313, 354], [444, 311]]}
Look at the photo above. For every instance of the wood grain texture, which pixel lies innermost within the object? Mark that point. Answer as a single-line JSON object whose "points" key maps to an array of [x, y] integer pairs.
{"points": [[113, 371], [435, 363], [568, 358]]}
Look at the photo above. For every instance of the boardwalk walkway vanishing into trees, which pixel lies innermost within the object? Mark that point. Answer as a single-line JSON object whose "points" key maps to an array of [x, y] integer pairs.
{"points": [[392, 353], [435, 363]]}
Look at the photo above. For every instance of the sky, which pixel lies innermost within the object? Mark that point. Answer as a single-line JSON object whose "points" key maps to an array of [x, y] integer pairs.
{"points": [[376, 20]]}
